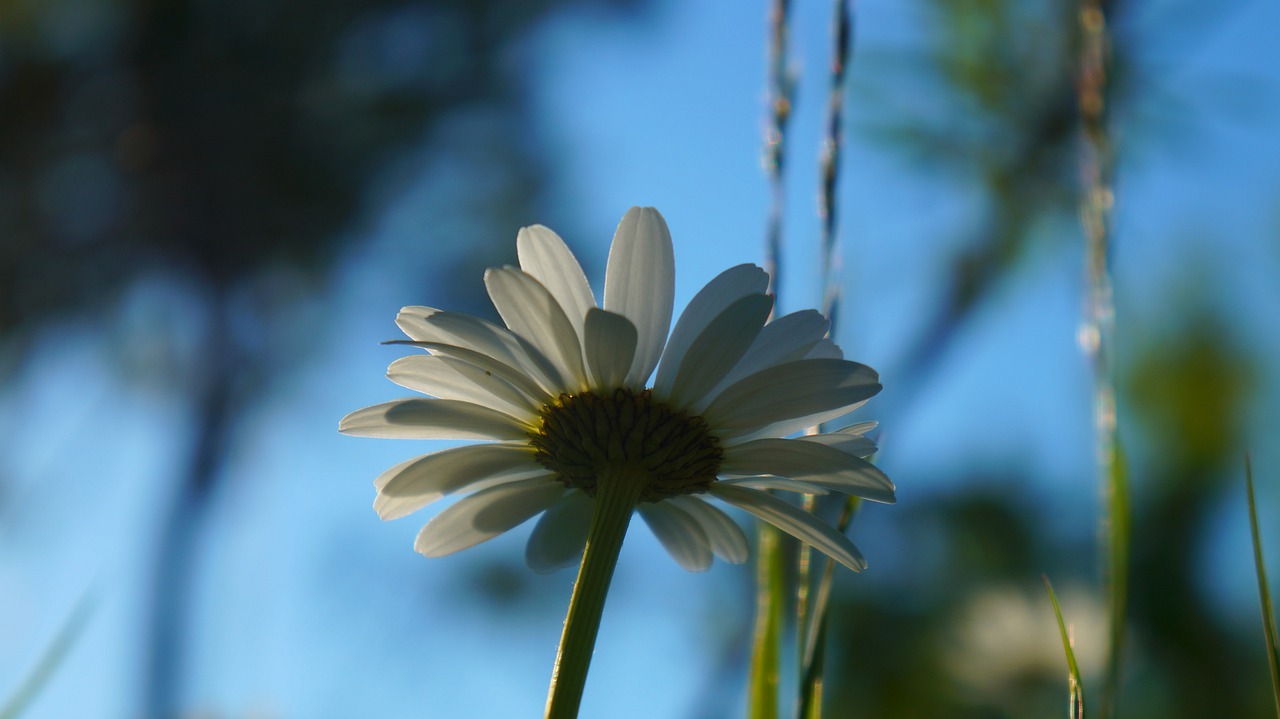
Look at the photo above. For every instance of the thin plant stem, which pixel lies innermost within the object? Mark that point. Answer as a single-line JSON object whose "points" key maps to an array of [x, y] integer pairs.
{"points": [[617, 492], [1264, 592], [762, 687], [810, 627], [833, 142], [813, 660], [1099, 326], [781, 92]]}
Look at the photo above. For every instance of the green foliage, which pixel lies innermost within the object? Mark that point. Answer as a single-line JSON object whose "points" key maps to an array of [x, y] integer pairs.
{"points": [[1076, 684]]}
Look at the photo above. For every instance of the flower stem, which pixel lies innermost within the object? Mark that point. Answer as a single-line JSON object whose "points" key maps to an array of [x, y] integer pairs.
{"points": [[617, 492]]}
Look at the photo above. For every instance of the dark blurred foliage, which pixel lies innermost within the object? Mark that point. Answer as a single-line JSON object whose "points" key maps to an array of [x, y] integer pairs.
{"points": [[1189, 392], [217, 140], [213, 159]]}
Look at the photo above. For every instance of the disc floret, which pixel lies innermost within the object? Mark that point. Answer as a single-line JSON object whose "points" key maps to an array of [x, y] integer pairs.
{"points": [[581, 435]]}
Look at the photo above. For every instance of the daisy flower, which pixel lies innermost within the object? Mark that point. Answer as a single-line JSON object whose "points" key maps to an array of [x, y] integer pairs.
{"points": [[561, 395], [577, 434]]}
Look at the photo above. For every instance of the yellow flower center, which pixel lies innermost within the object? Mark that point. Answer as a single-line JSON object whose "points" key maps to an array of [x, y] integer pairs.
{"points": [[582, 434]]}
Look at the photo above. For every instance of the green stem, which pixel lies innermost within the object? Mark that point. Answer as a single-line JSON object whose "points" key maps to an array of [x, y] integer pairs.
{"points": [[617, 492], [762, 700]]}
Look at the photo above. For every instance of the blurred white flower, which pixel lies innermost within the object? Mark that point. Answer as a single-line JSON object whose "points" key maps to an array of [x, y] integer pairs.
{"points": [[560, 394], [1006, 636]]}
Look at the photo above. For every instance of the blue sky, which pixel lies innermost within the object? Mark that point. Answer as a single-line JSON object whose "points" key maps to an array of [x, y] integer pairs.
{"points": [[311, 607]]}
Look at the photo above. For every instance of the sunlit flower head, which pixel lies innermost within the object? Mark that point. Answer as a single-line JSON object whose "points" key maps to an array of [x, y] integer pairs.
{"points": [[562, 397]]}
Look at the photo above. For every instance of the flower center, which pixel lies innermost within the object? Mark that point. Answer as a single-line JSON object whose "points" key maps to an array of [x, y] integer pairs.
{"points": [[582, 434]]}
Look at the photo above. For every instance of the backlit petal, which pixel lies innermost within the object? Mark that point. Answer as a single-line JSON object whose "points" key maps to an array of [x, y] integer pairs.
{"points": [[450, 378], [548, 260], [560, 534], [640, 285], [854, 444], [679, 533], [718, 348], [531, 312], [431, 419], [610, 348], [810, 462], [786, 339], [785, 484], [728, 287], [483, 362], [726, 538], [794, 521], [788, 427], [485, 515], [427, 324], [412, 320], [793, 389], [412, 485]]}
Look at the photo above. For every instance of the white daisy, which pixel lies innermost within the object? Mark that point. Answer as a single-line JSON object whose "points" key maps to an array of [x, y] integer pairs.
{"points": [[562, 396]]}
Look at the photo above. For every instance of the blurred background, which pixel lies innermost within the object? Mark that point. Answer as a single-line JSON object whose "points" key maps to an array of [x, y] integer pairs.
{"points": [[210, 213]]}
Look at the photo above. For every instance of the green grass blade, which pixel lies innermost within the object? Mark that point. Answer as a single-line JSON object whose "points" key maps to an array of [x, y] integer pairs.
{"points": [[53, 657], [766, 643], [1076, 698], [1264, 593]]}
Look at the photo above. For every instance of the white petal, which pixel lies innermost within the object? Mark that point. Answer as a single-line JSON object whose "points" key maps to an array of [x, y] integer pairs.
{"points": [[785, 339], [810, 462], [484, 363], [561, 533], [431, 419], [412, 485], [412, 320], [548, 260], [859, 428], [450, 378], [825, 349], [787, 427], [610, 348], [785, 484], [427, 324], [719, 347], [854, 444], [485, 515], [480, 335], [679, 533], [532, 313], [794, 521], [640, 283], [724, 535], [790, 390], [728, 287]]}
